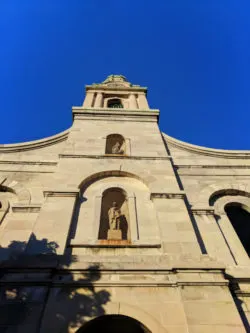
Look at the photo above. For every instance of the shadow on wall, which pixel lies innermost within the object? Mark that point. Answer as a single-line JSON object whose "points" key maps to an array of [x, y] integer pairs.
{"points": [[43, 293]]}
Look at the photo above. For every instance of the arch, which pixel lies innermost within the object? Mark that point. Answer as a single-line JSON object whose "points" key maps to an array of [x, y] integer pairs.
{"points": [[212, 192], [114, 217], [112, 324], [135, 312], [115, 144], [114, 103], [104, 174]]}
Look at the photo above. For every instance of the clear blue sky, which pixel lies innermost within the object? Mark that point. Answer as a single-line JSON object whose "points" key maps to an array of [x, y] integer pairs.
{"points": [[194, 56]]}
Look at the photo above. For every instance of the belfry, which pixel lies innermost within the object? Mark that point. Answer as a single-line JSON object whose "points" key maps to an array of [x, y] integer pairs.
{"points": [[114, 226]]}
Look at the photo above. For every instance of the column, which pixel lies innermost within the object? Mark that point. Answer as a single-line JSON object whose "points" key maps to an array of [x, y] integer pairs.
{"points": [[99, 100], [88, 99], [143, 103], [132, 102]]}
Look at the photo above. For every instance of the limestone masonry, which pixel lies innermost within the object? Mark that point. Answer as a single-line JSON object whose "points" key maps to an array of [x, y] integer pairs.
{"points": [[114, 226]]}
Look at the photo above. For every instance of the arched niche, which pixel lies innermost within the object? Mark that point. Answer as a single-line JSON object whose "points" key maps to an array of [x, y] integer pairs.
{"points": [[239, 216], [113, 324], [142, 219], [114, 218], [115, 144]]}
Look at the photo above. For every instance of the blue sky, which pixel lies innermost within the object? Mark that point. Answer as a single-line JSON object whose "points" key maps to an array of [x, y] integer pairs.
{"points": [[194, 56]]}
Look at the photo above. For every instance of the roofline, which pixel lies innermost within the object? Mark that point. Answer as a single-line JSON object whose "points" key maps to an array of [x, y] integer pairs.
{"points": [[62, 136], [204, 150], [35, 144]]}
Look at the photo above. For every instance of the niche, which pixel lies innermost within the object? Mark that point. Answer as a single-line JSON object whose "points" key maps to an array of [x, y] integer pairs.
{"points": [[115, 144], [114, 219], [240, 219]]}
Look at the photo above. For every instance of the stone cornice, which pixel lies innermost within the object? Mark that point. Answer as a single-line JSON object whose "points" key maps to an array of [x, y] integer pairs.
{"points": [[115, 157], [138, 283], [230, 154], [46, 163], [202, 210], [134, 244], [61, 193], [36, 144], [118, 89], [90, 112], [169, 195], [214, 166], [31, 208]]}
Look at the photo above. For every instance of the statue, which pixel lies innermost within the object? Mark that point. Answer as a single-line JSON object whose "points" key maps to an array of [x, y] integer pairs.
{"points": [[114, 214], [116, 149]]}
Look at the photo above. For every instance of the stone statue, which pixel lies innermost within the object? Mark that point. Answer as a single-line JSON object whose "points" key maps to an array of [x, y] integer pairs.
{"points": [[114, 214], [116, 149]]}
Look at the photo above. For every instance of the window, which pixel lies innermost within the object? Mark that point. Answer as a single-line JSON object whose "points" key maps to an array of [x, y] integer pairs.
{"points": [[240, 219], [115, 103]]}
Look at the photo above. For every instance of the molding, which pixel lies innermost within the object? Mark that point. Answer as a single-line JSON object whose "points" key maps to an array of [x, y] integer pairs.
{"points": [[36, 144], [89, 112], [235, 166], [199, 150], [169, 195], [145, 119], [56, 193], [134, 244], [32, 208], [110, 156], [126, 90], [46, 163], [138, 283], [202, 210]]}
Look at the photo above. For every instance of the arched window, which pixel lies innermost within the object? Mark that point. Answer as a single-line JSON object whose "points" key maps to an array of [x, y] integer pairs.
{"points": [[114, 219], [115, 144], [115, 103], [239, 216]]}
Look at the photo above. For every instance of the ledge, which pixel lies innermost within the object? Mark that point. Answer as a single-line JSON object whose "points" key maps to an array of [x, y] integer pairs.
{"points": [[109, 156], [170, 195], [202, 210], [76, 110], [51, 193], [102, 87], [114, 244], [32, 208]]}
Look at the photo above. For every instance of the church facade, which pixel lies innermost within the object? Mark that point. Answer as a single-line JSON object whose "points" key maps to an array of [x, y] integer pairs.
{"points": [[114, 226]]}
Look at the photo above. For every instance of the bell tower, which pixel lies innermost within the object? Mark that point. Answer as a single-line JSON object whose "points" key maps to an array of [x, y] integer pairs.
{"points": [[116, 156], [116, 92]]}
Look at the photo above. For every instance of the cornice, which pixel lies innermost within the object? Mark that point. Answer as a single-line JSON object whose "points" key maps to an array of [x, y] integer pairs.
{"points": [[113, 88], [61, 193], [199, 150], [169, 195], [212, 166], [31, 208], [46, 163], [202, 210], [36, 144], [78, 110], [109, 156]]}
